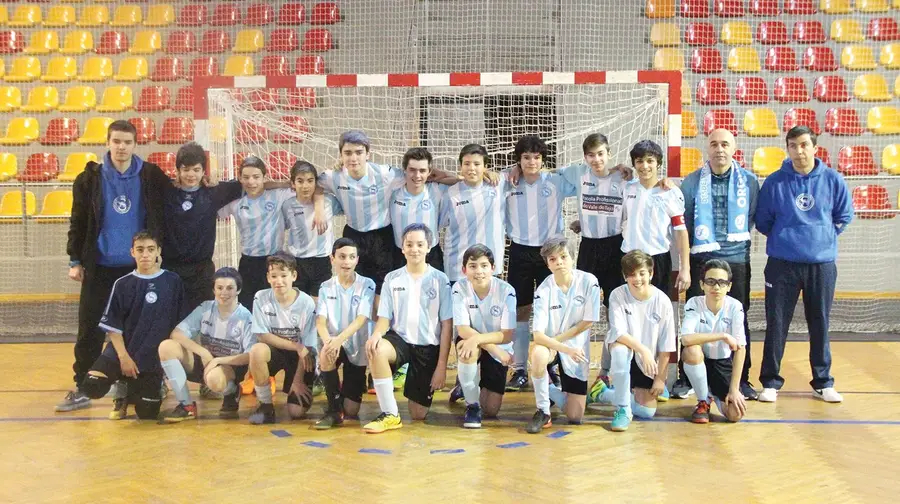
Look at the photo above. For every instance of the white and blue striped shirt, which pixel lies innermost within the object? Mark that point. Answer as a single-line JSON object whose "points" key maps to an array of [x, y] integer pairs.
{"points": [[302, 240], [651, 321], [474, 215], [416, 307], [422, 208], [223, 338], [496, 312], [365, 201], [647, 218], [599, 200], [340, 307], [259, 221], [699, 319], [295, 323], [556, 311], [534, 212]]}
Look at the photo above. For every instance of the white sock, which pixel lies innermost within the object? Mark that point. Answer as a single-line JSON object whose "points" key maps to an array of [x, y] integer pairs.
{"points": [[620, 374], [521, 340], [175, 373], [542, 392], [558, 396], [231, 388], [384, 390], [467, 373], [264, 393], [696, 373]]}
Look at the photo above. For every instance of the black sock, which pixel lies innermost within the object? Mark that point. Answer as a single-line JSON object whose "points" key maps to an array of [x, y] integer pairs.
{"points": [[332, 390]]}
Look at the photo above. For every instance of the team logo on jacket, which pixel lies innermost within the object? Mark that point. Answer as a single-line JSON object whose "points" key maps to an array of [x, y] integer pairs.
{"points": [[373, 189], [270, 206], [150, 297], [425, 205], [354, 301], [496, 310], [805, 202], [579, 300], [431, 293], [236, 330], [740, 221], [122, 204], [187, 205], [655, 318], [546, 191], [295, 320], [701, 232]]}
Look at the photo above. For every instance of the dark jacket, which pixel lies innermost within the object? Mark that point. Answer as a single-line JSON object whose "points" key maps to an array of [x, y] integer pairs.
{"points": [[87, 209]]}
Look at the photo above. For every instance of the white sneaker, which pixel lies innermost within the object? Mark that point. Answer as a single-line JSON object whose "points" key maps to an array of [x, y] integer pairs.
{"points": [[768, 395], [828, 395]]}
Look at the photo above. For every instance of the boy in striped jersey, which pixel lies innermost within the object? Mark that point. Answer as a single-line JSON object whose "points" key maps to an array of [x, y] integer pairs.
{"points": [[484, 309], [565, 306], [414, 325], [343, 316], [284, 321], [417, 201], [713, 338]]}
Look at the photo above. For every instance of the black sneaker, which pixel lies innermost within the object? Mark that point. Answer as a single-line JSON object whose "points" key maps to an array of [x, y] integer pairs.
{"points": [[472, 419], [457, 393], [180, 413], [331, 419], [750, 394], [230, 405], [518, 381], [682, 388], [75, 400], [554, 376], [264, 414], [539, 421], [120, 409]]}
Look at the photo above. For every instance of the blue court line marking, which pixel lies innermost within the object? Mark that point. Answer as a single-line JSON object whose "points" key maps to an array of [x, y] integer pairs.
{"points": [[447, 452], [558, 434], [316, 444], [280, 433], [375, 451], [517, 444]]}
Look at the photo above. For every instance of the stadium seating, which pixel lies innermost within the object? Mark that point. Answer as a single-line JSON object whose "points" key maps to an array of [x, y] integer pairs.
{"points": [[700, 34], [215, 42], [11, 42], [167, 69], [890, 57], [146, 42], [300, 98], [112, 42], [165, 161], [691, 160], [42, 42], [2, 68], [799, 7], [688, 124], [668, 59], [40, 167], [60, 69], [751, 91], [21, 131], [4, 15], [249, 41], [830, 88], [116, 99], [737, 33], [192, 15], [259, 14], [890, 159], [146, 130], [739, 157], [10, 98], [761, 123], [41, 99], [96, 69], [790, 90], [8, 166], [248, 132], [809, 32], [856, 160], [772, 33], [275, 65], [846, 30], [781, 59], [153, 99], [181, 42], [283, 40], [871, 87], [801, 117], [77, 42], [204, 66], [60, 16], [719, 118], [822, 153], [56, 208], [176, 130], [132, 69], [279, 164], [328, 13], [743, 59], [23, 69], [843, 121], [75, 163], [872, 5], [317, 40], [858, 58], [712, 91], [25, 16], [767, 160], [127, 16], [11, 205], [836, 6], [694, 8], [291, 14], [79, 99], [883, 29], [310, 64], [663, 35], [159, 15], [95, 131], [706, 60], [60, 131], [239, 66], [184, 100], [262, 99], [92, 16], [225, 14], [869, 199], [883, 120], [729, 8]]}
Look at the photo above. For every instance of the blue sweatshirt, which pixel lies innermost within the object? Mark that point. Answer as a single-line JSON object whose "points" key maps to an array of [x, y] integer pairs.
{"points": [[802, 215], [123, 212]]}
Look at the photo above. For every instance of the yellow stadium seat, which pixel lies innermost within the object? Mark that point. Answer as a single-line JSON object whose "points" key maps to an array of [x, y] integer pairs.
{"points": [[41, 99], [858, 58], [846, 30], [890, 159], [21, 131], [767, 160], [2, 68], [686, 98], [883, 120], [10, 98], [116, 99], [57, 207], [4, 15], [60, 16], [871, 87], [743, 59], [9, 166], [26, 16], [872, 5], [761, 122], [24, 69], [95, 131], [132, 69], [79, 99], [665, 34], [668, 59], [238, 66], [835, 6], [127, 15], [737, 33], [895, 4], [78, 42], [688, 124], [890, 57], [43, 42], [96, 69], [11, 205], [75, 163], [249, 41], [661, 9], [93, 15], [691, 160], [218, 129], [159, 15], [146, 42], [897, 86], [60, 69]]}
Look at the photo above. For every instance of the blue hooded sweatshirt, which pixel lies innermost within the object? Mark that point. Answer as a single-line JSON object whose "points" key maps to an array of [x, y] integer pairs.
{"points": [[123, 212], [802, 215]]}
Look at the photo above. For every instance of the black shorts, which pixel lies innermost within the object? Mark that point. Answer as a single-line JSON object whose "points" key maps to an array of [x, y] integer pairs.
{"points": [[311, 273], [287, 360], [638, 378], [662, 272], [196, 374], [526, 271], [718, 376], [493, 374], [197, 279], [353, 385], [570, 384], [376, 258], [423, 360], [602, 257], [253, 272], [435, 258], [146, 386]]}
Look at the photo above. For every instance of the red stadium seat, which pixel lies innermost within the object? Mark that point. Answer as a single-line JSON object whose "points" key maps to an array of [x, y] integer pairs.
{"points": [[215, 42], [167, 69], [279, 163], [831, 88], [751, 91], [700, 34], [146, 129], [822, 153], [192, 15], [719, 118], [730, 8], [739, 157], [165, 161], [275, 65], [204, 66], [883, 29], [295, 129], [291, 14], [325, 13], [153, 99], [112, 42], [61, 131], [772, 33], [225, 14], [819, 59], [317, 40], [809, 32], [706, 60], [260, 14], [843, 121], [301, 99], [764, 7], [263, 99], [800, 7], [40, 167], [11, 42], [248, 132], [791, 90], [871, 197], [310, 64], [181, 42], [184, 99], [856, 160], [781, 59], [238, 158], [694, 8], [712, 91], [801, 117], [283, 40], [177, 130]]}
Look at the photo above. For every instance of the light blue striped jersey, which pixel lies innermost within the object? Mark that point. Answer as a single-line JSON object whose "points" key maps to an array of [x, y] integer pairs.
{"points": [[416, 307], [365, 201], [647, 218], [699, 319], [474, 215], [422, 208], [222, 337], [534, 212], [599, 200], [295, 323], [260, 221], [651, 321], [496, 312], [302, 239], [340, 307], [556, 311]]}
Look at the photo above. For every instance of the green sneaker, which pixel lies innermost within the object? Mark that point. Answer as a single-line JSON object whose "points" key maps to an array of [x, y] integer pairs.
{"points": [[596, 391], [621, 420], [318, 387], [399, 380]]}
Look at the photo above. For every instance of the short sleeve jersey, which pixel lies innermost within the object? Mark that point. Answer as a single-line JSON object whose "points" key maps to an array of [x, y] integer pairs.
{"points": [[422, 208], [295, 323], [473, 215], [651, 322], [416, 306], [599, 200], [699, 319], [222, 337], [260, 221], [496, 312], [302, 240], [340, 307], [365, 201], [648, 218], [534, 212]]}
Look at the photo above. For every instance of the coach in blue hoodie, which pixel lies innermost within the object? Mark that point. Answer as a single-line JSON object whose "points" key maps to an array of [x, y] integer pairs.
{"points": [[802, 209]]}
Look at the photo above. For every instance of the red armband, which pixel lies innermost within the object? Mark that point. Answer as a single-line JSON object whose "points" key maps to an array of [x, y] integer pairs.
{"points": [[678, 220]]}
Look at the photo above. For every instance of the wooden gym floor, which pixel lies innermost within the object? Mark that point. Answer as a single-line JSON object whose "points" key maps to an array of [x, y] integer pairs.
{"points": [[797, 450]]}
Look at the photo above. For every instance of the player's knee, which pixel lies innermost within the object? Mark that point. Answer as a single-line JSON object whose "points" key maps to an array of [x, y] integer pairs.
{"points": [[619, 357], [490, 411], [147, 408], [96, 384], [540, 356], [732, 414], [641, 411], [169, 349], [351, 408], [384, 350], [296, 411], [260, 353], [216, 380], [692, 355]]}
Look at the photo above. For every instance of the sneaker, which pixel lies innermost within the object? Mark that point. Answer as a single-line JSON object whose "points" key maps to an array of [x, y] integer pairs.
{"points": [[748, 392], [383, 422], [828, 394], [120, 409], [518, 381], [113, 391], [180, 413], [318, 387], [473, 416], [595, 395], [768, 395], [75, 400], [621, 420], [701, 413], [230, 405], [400, 381], [207, 393], [539, 421], [554, 376], [457, 393], [371, 385], [331, 419], [682, 389], [664, 396], [264, 414]]}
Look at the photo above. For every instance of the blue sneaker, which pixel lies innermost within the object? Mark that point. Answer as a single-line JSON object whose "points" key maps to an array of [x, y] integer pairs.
{"points": [[664, 397], [596, 392], [457, 393], [473, 416], [621, 420]]}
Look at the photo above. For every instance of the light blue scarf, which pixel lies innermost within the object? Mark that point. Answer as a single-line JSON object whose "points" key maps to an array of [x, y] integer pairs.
{"points": [[738, 210]]}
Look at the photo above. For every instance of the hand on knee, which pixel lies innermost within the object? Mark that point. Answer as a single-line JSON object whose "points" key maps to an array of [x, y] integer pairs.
{"points": [[96, 384], [216, 380]]}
